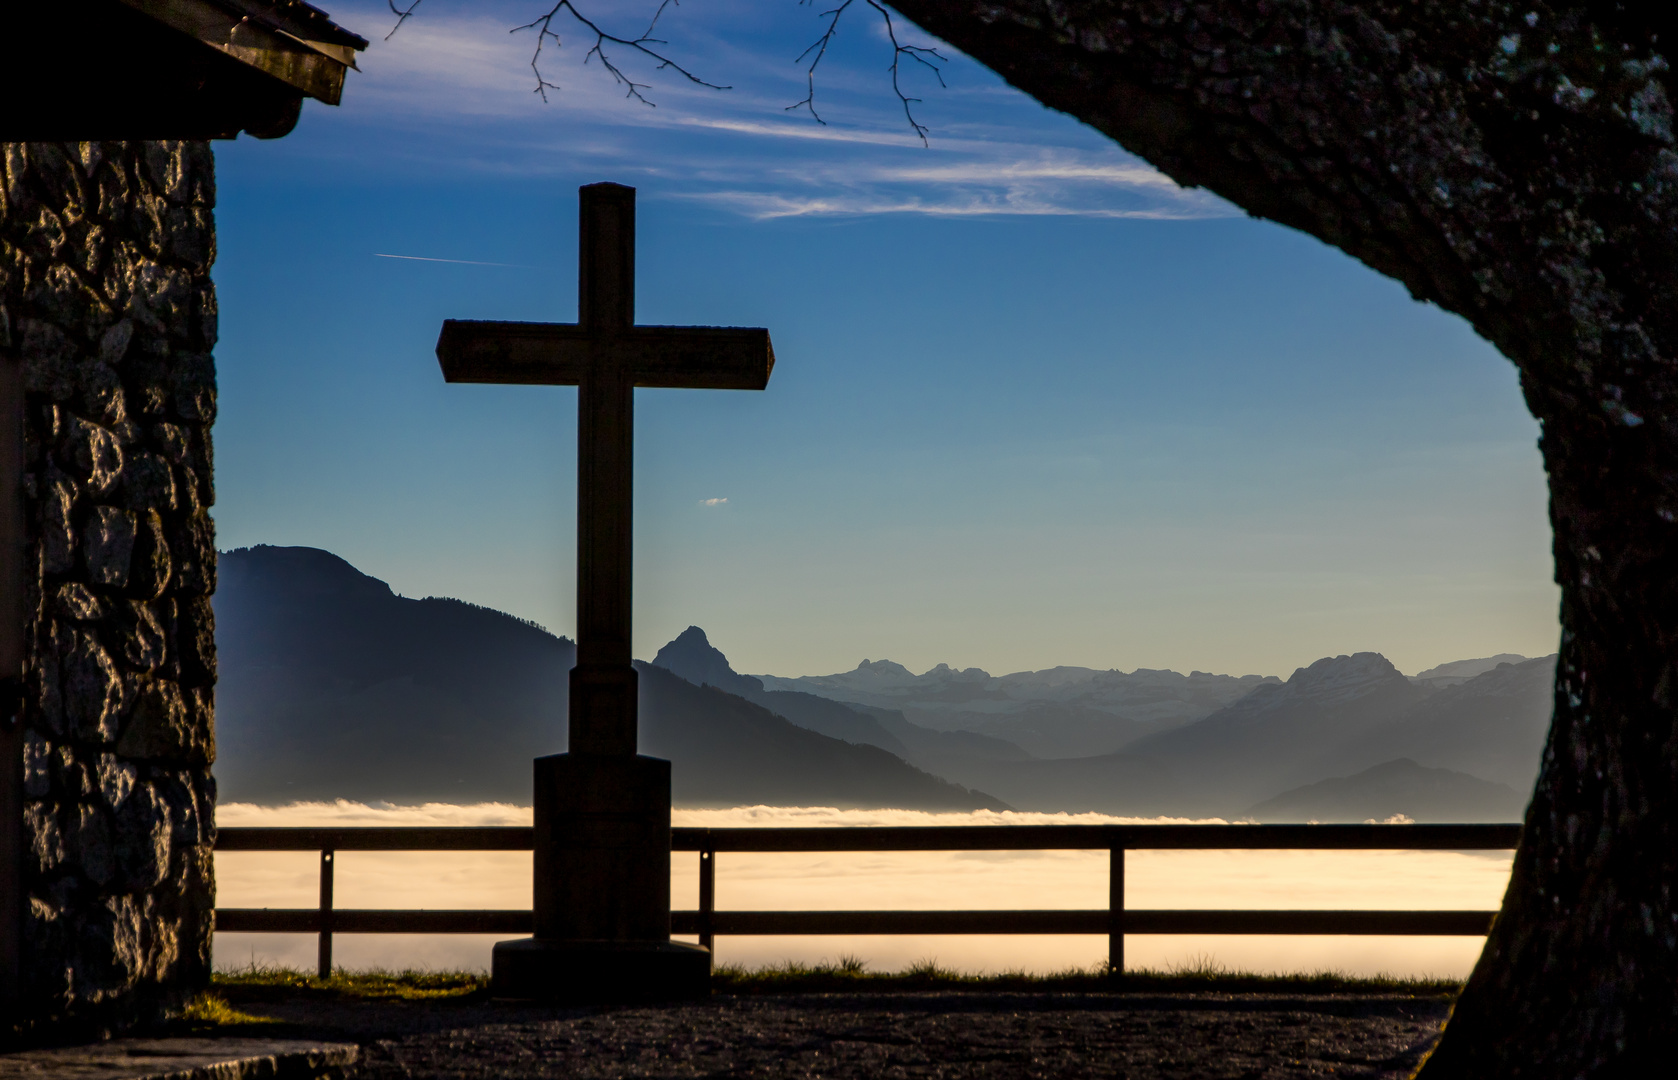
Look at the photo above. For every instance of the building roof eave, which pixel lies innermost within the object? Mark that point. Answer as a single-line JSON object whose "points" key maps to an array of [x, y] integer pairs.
{"points": [[74, 70]]}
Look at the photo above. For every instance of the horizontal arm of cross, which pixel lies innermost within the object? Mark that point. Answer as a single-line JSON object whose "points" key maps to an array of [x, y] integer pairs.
{"points": [[560, 354]]}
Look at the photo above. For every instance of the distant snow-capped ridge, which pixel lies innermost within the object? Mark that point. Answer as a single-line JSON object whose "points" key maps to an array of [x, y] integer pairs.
{"points": [[942, 693], [1458, 672]]}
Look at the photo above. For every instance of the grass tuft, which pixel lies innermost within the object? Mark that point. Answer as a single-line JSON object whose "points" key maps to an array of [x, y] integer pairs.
{"points": [[848, 974], [1206, 975], [1203, 975], [373, 984], [209, 1013]]}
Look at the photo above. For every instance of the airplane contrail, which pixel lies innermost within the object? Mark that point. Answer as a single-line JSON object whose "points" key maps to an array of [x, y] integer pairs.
{"points": [[463, 262]]}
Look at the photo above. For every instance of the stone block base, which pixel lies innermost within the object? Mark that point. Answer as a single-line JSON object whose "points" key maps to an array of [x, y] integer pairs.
{"points": [[599, 972]]}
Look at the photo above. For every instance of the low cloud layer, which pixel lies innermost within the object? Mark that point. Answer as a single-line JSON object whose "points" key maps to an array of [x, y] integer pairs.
{"points": [[345, 813]]}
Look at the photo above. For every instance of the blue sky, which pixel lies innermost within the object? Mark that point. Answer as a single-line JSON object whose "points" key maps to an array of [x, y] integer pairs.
{"points": [[1033, 405]]}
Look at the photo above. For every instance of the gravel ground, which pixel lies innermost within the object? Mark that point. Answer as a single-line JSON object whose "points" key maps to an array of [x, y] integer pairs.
{"points": [[881, 1036]]}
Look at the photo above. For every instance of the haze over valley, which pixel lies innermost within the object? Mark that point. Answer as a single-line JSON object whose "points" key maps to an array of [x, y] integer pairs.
{"points": [[334, 687]]}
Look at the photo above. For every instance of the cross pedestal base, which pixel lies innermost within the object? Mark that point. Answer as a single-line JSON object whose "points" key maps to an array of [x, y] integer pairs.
{"points": [[602, 889], [599, 972]]}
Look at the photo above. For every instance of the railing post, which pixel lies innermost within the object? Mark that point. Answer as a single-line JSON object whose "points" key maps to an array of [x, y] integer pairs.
{"points": [[707, 896], [326, 914], [1115, 910]]}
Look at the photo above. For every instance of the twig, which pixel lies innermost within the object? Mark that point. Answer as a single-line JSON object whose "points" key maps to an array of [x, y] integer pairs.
{"points": [[401, 15], [918, 53], [660, 14], [819, 47], [642, 44]]}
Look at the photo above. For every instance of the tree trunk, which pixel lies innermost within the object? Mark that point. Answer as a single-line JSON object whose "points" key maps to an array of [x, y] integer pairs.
{"points": [[1512, 163]]}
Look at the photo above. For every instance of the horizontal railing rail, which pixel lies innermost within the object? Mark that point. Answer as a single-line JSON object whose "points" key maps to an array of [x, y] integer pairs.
{"points": [[1115, 921], [1093, 837], [793, 923], [453, 838]]}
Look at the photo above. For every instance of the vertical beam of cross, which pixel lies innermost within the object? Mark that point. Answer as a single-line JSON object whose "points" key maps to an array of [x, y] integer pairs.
{"points": [[603, 694], [605, 431]]}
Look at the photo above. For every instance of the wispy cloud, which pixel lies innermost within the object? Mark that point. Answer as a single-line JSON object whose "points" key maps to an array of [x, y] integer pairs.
{"points": [[803, 129], [764, 206], [712, 502], [452, 91], [1134, 175]]}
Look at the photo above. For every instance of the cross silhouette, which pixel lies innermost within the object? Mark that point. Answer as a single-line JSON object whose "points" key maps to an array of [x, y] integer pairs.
{"points": [[601, 866], [605, 355]]}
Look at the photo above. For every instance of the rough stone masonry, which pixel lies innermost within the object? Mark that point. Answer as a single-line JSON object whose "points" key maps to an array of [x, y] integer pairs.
{"points": [[105, 294]]}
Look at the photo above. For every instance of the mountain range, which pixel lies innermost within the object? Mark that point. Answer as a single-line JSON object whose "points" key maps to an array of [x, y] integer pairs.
{"points": [[1057, 712], [1334, 719], [1471, 748], [333, 686]]}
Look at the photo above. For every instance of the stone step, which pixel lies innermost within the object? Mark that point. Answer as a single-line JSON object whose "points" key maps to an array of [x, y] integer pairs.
{"points": [[184, 1059]]}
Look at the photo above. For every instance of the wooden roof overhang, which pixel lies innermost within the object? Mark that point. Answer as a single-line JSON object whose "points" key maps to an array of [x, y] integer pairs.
{"points": [[73, 70]]}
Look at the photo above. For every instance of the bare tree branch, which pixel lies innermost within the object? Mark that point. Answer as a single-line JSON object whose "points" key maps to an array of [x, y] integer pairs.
{"points": [[642, 44], [918, 53], [929, 58]]}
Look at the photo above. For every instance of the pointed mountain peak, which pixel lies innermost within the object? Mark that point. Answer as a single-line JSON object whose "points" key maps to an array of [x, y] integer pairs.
{"points": [[692, 638], [691, 656]]}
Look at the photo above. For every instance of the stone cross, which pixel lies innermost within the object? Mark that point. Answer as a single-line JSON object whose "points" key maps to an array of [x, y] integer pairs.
{"points": [[602, 814]]}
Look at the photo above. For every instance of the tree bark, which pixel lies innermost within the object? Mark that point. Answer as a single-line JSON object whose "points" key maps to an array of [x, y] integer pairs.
{"points": [[1512, 163]]}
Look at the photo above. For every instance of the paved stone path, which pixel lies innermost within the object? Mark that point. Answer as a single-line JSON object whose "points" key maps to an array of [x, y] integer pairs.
{"points": [[885, 1037]]}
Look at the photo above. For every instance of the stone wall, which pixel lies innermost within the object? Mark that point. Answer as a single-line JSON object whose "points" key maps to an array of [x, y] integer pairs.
{"points": [[105, 294]]}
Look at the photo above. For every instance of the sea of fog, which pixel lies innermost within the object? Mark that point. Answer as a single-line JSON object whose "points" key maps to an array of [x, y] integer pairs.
{"points": [[900, 880]]}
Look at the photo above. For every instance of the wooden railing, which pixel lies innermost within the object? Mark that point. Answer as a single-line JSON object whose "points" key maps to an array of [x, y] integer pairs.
{"points": [[1115, 920]]}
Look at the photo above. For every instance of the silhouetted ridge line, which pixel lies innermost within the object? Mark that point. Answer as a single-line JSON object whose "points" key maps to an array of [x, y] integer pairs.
{"points": [[332, 686], [532, 623], [1395, 789]]}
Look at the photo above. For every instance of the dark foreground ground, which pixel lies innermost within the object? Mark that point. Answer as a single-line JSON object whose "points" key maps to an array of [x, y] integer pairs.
{"points": [[885, 1035]]}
